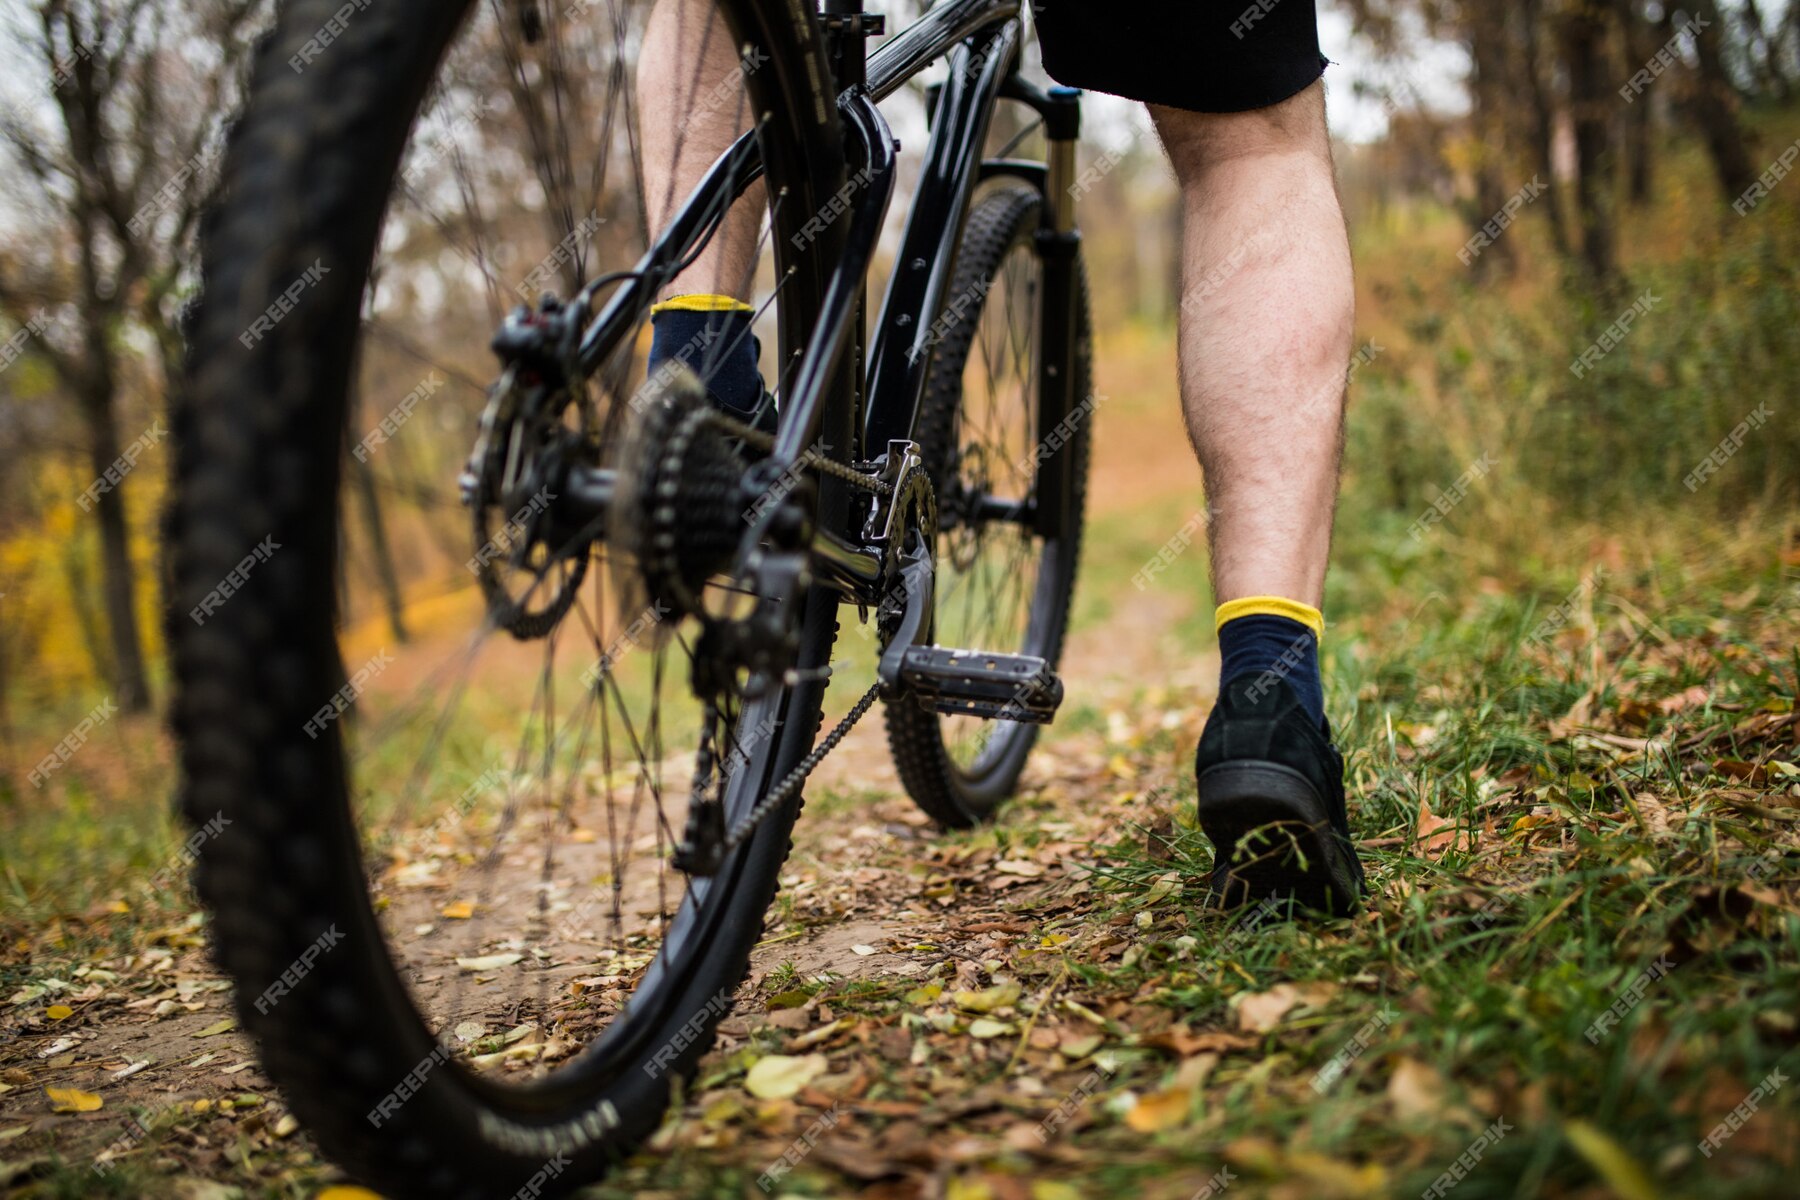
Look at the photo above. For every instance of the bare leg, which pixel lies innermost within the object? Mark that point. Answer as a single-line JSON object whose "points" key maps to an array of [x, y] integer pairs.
{"points": [[1265, 337], [692, 107]]}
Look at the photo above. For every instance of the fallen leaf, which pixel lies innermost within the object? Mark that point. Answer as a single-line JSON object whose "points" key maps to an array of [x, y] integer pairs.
{"points": [[1180, 1041], [216, 1028], [59, 1012], [489, 962], [72, 1100], [1019, 866], [1161, 890], [1159, 1110], [462, 910], [865, 951], [823, 1033], [1260, 1012], [1416, 1091], [347, 1192], [779, 1076], [126, 1072], [1654, 814], [205, 1189], [1682, 701], [1436, 835], [988, 999], [1193, 1073], [987, 1027], [1754, 774]]}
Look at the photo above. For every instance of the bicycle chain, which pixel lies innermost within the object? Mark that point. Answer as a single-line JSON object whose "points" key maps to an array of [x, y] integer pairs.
{"points": [[796, 778], [849, 472]]}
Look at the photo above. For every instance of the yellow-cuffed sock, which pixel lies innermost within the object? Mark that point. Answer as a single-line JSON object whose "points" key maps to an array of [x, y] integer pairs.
{"points": [[701, 303]]}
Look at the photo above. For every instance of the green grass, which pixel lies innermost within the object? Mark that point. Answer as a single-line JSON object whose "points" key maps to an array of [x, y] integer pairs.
{"points": [[1481, 969]]}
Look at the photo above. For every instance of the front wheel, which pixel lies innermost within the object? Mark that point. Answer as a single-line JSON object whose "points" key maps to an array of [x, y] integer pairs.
{"points": [[441, 771], [1001, 586]]}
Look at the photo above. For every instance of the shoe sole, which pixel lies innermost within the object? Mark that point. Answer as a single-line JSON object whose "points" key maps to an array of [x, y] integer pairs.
{"points": [[1268, 824]]}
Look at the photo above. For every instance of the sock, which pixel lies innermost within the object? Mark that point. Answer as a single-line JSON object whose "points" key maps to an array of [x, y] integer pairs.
{"points": [[1268, 634], [711, 336]]}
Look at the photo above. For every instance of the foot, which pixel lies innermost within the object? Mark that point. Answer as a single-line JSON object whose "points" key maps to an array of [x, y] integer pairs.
{"points": [[1272, 802]]}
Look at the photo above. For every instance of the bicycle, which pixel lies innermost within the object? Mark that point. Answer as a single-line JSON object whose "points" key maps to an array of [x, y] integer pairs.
{"points": [[925, 473]]}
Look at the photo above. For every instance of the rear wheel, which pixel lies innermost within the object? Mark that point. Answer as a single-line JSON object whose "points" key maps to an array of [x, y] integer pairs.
{"points": [[441, 774], [1000, 585]]}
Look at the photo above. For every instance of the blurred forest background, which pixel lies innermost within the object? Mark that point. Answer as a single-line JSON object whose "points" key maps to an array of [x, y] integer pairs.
{"points": [[1611, 149]]}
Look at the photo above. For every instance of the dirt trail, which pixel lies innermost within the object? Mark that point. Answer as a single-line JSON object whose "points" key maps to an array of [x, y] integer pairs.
{"points": [[870, 890]]}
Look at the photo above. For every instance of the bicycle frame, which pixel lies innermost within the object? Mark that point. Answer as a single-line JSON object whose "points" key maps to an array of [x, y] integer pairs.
{"points": [[981, 41]]}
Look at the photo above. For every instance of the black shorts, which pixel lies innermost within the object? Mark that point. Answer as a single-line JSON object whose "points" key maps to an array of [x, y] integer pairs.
{"points": [[1200, 55]]}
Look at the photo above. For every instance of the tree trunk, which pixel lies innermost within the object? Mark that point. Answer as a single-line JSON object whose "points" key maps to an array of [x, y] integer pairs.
{"points": [[1764, 51], [118, 578], [1591, 101], [1543, 123], [1487, 89], [1715, 110], [1637, 35], [87, 622], [369, 501]]}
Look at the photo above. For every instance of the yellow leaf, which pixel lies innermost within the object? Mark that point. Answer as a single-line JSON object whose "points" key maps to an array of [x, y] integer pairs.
{"points": [[118, 906], [973, 1188], [59, 1012], [583, 835], [988, 999], [462, 910], [1611, 1161], [778, 1076], [1050, 1189], [1159, 1110], [216, 1028], [72, 1100], [987, 1027], [348, 1192]]}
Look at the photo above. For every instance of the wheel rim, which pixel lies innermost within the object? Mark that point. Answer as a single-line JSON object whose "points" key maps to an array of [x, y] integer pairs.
{"points": [[998, 583]]}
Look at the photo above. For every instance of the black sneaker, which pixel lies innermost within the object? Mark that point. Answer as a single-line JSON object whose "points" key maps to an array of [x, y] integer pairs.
{"points": [[1272, 802]]}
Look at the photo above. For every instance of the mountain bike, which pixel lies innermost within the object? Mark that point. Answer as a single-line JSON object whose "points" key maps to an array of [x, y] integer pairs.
{"points": [[486, 895]]}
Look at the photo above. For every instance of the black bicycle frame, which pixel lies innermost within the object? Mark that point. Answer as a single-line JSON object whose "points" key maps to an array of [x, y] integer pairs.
{"points": [[981, 41]]}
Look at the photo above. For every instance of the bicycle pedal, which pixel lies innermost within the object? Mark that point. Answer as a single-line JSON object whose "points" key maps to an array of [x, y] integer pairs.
{"points": [[1013, 687]]}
